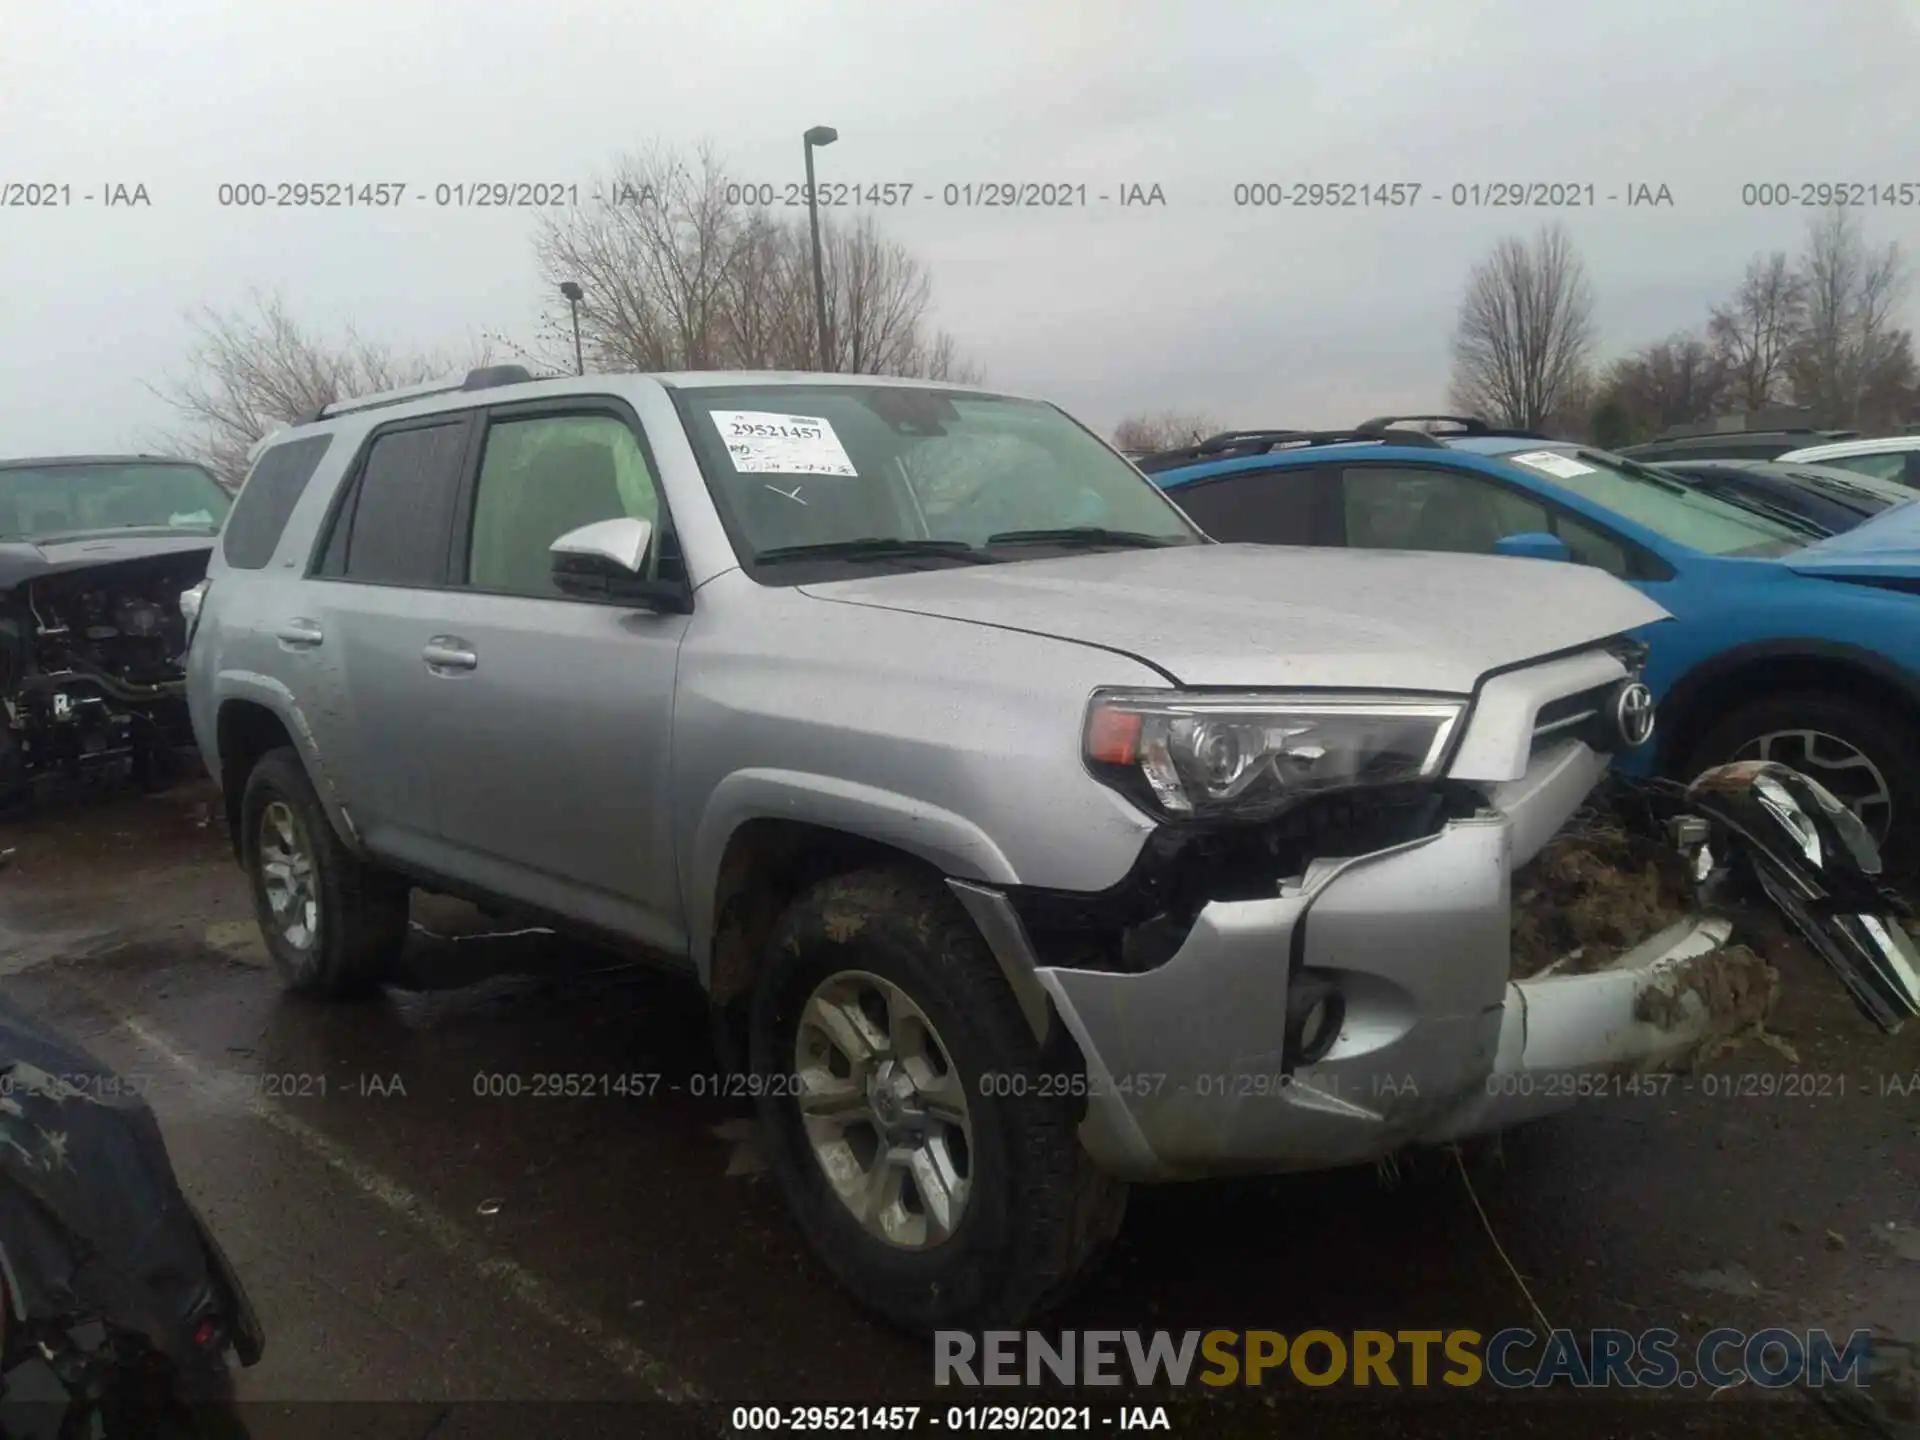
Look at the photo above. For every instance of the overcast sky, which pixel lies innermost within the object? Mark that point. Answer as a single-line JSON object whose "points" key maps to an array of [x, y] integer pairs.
{"points": [[1257, 316]]}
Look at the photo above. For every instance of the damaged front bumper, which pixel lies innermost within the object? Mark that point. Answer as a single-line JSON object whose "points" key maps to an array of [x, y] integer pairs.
{"points": [[1190, 1067]]}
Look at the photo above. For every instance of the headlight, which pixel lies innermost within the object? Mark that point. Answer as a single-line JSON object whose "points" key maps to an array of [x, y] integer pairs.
{"points": [[1195, 756]]}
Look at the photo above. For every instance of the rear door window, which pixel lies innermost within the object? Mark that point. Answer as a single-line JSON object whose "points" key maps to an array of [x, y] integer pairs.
{"points": [[1294, 505], [396, 526]]}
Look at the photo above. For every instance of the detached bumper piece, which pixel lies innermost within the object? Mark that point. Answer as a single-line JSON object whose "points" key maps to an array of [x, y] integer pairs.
{"points": [[1565, 1037], [1811, 856]]}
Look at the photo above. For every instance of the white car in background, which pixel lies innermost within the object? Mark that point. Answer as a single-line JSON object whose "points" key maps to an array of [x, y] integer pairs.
{"points": [[1896, 457]]}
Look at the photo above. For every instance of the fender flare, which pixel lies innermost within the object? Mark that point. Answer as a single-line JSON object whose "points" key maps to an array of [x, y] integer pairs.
{"points": [[1685, 693], [950, 842], [252, 688]]}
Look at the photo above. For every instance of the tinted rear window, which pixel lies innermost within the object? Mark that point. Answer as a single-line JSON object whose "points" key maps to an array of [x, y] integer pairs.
{"points": [[266, 501], [1267, 507], [402, 513]]}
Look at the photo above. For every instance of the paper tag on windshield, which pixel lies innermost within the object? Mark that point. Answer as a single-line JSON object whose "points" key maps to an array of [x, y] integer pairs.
{"points": [[198, 517], [761, 442], [1554, 463]]}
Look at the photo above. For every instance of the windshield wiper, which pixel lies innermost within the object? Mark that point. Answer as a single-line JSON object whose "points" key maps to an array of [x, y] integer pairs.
{"points": [[875, 547], [1083, 537], [1779, 514]]}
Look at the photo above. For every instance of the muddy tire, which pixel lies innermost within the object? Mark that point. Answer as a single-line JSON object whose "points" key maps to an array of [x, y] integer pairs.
{"points": [[16, 790], [333, 924], [977, 1223], [1885, 742]]}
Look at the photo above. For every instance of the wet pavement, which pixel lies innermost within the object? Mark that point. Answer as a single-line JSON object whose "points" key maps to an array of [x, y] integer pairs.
{"points": [[418, 1220]]}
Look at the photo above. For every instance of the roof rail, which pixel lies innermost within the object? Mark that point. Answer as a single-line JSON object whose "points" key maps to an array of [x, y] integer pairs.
{"points": [[483, 378], [1233, 444], [1466, 424]]}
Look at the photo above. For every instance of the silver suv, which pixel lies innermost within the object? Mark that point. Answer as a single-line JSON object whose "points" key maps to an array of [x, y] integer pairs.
{"points": [[1028, 842]]}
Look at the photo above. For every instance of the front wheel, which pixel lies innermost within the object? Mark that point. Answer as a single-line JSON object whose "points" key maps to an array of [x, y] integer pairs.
{"points": [[928, 1160], [1860, 752]]}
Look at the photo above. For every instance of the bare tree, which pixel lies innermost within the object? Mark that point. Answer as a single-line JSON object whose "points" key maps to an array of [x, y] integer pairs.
{"points": [[1525, 330], [1754, 333], [1849, 348], [253, 369], [1139, 434], [1681, 380], [678, 278]]}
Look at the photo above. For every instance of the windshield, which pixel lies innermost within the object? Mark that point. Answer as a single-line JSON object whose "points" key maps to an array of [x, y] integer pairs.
{"points": [[1668, 506], [1867, 491], [872, 475], [44, 501], [1885, 465]]}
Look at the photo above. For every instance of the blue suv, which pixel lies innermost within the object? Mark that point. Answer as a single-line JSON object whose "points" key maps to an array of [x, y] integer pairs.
{"points": [[1807, 653]]}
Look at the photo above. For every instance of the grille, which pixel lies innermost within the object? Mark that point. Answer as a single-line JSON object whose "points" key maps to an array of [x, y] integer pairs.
{"points": [[1561, 719]]}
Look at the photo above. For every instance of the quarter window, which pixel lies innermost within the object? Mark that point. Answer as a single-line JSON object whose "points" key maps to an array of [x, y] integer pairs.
{"points": [[266, 501]]}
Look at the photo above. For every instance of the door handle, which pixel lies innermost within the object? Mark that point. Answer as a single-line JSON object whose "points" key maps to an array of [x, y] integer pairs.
{"points": [[449, 652], [304, 633]]}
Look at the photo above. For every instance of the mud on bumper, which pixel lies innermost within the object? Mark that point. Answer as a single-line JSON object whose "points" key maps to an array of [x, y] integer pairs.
{"points": [[1187, 1071]]}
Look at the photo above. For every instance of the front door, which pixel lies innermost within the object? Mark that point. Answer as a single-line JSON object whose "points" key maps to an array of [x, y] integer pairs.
{"points": [[553, 739]]}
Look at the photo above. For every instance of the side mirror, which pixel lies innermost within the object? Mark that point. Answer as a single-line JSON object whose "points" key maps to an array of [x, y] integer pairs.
{"points": [[1533, 545], [607, 560]]}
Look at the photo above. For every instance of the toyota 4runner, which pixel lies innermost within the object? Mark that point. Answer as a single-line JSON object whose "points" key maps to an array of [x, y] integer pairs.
{"points": [[1028, 842]]}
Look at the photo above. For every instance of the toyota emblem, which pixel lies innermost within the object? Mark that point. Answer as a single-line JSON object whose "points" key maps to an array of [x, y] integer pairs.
{"points": [[1633, 714]]}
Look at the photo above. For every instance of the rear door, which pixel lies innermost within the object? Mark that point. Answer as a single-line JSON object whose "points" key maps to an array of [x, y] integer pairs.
{"points": [[374, 601]]}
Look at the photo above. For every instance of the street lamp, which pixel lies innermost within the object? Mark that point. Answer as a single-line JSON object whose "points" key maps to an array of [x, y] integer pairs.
{"points": [[818, 135], [571, 289]]}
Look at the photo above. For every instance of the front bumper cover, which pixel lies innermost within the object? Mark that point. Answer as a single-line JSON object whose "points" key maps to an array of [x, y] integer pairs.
{"points": [[1186, 1070]]}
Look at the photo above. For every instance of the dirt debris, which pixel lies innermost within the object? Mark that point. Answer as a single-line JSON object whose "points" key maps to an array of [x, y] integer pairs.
{"points": [[1732, 982], [1596, 890]]}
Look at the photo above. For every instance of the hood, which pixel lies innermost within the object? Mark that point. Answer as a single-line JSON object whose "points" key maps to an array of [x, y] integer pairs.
{"points": [[1264, 615], [1887, 547], [30, 559], [92, 1214]]}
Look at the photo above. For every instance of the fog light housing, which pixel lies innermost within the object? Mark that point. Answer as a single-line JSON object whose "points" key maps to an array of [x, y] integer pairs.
{"points": [[1315, 1012]]}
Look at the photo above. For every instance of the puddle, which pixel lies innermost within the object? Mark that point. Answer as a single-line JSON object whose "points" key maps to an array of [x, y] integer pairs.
{"points": [[238, 940], [1732, 1280], [1903, 1241]]}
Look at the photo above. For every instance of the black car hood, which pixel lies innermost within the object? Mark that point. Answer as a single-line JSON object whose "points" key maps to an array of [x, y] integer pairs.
{"points": [[92, 1221], [22, 560]]}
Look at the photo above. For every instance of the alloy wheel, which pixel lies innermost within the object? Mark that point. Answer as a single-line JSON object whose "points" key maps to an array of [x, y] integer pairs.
{"points": [[884, 1110], [286, 870]]}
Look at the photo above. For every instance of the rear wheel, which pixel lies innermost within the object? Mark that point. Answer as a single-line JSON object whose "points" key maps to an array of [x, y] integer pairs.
{"points": [[334, 924], [900, 1094], [1863, 754]]}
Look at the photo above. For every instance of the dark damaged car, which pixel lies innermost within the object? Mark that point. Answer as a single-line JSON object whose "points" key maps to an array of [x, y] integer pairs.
{"points": [[94, 553]]}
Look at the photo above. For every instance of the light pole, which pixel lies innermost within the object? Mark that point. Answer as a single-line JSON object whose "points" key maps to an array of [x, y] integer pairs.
{"points": [[571, 289], [818, 135]]}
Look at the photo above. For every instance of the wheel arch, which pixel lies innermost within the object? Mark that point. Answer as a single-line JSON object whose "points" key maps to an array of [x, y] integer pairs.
{"points": [[1750, 672], [253, 717], [767, 834]]}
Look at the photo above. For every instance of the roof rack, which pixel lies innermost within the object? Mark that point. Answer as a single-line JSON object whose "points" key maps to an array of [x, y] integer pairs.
{"points": [[483, 378], [1234, 444], [1466, 424]]}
